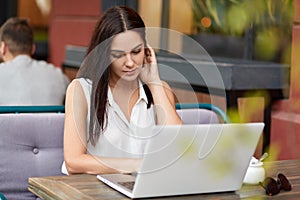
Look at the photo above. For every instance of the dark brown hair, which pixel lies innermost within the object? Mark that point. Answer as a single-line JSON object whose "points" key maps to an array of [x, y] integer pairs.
{"points": [[17, 35], [96, 64]]}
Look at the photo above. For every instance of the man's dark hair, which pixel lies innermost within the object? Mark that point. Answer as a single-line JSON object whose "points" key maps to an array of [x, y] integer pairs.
{"points": [[17, 35]]}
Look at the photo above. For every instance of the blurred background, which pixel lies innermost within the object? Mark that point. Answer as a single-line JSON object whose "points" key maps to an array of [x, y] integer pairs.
{"points": [[251, 30], [248, 29]]}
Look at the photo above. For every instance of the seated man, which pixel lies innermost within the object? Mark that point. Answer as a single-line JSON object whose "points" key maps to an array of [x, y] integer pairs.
{"points": [[24, 80]]}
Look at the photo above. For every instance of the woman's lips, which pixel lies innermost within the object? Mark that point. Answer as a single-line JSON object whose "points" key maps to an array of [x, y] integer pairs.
{"points": [[131, 72]]}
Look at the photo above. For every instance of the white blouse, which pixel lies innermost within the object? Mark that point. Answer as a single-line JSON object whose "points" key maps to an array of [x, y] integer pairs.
{"points": [[121, 138]]}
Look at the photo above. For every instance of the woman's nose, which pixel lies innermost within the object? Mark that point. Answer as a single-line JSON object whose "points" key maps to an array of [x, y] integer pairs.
{"points": [[129, 62]]}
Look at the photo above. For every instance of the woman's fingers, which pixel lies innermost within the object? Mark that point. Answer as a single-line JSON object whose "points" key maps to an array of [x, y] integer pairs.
{"points": [[150, 55]]}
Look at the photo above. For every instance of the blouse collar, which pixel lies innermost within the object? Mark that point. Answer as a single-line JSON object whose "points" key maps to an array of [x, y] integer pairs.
{"points": [[142, 94]]}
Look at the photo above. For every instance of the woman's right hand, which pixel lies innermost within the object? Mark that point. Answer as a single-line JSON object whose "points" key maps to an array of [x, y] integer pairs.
{"points": [[149, 73]]}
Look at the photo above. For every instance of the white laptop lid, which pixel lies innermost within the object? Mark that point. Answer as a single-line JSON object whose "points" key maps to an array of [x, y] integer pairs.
{"points": [[191, 159]]}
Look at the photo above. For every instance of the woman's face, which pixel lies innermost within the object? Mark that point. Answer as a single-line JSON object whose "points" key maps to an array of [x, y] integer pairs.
{"points": [[127, 56]]}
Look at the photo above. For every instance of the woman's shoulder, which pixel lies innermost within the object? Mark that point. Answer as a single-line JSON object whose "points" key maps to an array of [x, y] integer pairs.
{"points": [[165, 84], [81, 81], [78, 83]]}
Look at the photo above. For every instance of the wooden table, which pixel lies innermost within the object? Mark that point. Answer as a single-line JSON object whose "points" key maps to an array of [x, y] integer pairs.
{"points": [[89, 187]]}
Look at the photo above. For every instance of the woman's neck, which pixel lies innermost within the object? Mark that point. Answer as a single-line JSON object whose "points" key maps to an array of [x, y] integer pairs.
{"points": [[123, 85], [125, 94]]}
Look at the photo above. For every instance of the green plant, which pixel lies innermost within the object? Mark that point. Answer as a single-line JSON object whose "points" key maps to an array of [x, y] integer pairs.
{"points": [[271, 21], [235, 16]]}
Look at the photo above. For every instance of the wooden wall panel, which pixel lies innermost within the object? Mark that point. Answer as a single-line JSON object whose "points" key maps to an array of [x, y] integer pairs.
{"points": [[285, 135], [71, 23], [29, 9], [297, 11], [76, 7], [66, 31]]}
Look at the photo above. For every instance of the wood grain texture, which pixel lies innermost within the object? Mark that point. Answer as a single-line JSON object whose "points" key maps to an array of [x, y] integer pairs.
{"points": [[89, 187]]}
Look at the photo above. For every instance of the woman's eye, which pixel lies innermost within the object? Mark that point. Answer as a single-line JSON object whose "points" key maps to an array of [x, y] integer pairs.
{"points": [[116, 55], [137, 51]]}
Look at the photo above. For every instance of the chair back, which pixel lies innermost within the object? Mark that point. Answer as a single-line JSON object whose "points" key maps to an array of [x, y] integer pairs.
{"points": [[32, 109], [31, 146], [198, 116], [220, 113]]}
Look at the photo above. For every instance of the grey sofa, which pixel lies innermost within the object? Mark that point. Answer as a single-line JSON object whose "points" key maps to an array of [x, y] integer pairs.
{"points": [[31, 145]]}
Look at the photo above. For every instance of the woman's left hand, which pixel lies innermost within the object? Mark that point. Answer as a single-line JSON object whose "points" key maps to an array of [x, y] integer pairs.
{"points": [[149, 72]]}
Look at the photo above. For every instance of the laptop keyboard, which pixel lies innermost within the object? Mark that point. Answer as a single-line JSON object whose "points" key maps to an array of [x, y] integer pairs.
{"points": [[128, 185]]}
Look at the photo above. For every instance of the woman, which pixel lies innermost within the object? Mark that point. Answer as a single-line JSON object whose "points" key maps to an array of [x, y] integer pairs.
{"points": [[115, 99]]}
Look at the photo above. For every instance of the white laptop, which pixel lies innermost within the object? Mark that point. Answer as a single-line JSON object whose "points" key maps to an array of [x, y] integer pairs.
{"points": [[191, 159]]}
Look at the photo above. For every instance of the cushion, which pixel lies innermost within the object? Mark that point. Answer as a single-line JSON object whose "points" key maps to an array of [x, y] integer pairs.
{"points": [[31, 145]]}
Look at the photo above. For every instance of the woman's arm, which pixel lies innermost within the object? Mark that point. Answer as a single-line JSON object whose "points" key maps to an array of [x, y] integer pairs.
{"points": [[163, 96], [75, 142], [164, 103]]}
